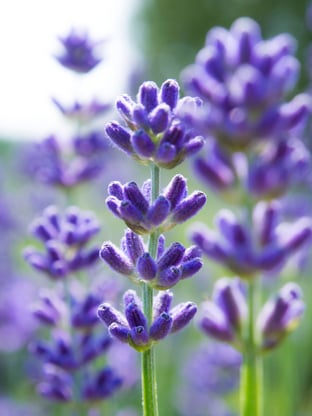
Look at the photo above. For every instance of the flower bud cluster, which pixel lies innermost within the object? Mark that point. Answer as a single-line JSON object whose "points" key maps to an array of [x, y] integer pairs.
{"points": [[79, 52], [55, 165], [74, 346], [65, 238], [248, 249], [152, 131], [243, 81], [134, 261], [268, 173], [132, 204], [133, 328], [224, 317]]}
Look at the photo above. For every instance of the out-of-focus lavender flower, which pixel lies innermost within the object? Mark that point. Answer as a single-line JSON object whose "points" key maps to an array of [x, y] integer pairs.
{"points": [[211, 372], [243, 81], [224, 316], [132, 260], [173, 206], [132, 327], [53, 164], [153, 133], [64, 237], [270, 172], [280, 315], [83, 113], [80, 53], [261, 247]]}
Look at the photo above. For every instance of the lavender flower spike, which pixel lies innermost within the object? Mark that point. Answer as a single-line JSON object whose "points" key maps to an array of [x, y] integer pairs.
{"points": [[280, 315], [131, 204], [153, 132], [223, 317], [132, 327]]}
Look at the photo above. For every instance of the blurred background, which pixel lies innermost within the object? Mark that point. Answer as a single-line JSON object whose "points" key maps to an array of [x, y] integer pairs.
{"points": [[143, 39]]}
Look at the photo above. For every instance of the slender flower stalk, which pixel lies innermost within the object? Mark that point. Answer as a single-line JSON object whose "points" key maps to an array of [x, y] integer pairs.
{"points": [[251, 371], [149, 382]]}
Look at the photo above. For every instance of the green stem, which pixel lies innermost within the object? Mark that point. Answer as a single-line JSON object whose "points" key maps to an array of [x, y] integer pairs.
{"points": [[251, 372], [149, 384]]}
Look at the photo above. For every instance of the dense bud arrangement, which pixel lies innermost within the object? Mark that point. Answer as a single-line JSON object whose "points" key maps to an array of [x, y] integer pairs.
{"points": [[152, 132]]}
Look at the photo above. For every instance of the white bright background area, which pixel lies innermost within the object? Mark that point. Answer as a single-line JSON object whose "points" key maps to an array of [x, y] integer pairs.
{"points": [[30, 76]]}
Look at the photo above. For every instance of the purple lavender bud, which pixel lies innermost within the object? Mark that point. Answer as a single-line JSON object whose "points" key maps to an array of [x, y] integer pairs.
{"points": [[161, 245], [113, 205], [131, 296], [159, 118], [166, 153], [125, 105], [36, 260], [116, 259], [102, 385], [271, 258], [265, 218], [135, 316], [42, 230], [135, 196], [215, 324], [146, 267], [168, 278], [143, 144], [194, 145], [162, 303], [120, 136], [138, 337], [134, 246], [59, 269], [119, 332], [229, 297], [172, 256], [214, 174], [161, 327], [230, 228], [281, 315], [188, 207], [190, 267], [247, 33], [176, 190], [159, 211], [191, 253], [140, 116], [51, 213], [116, 189], [295, 111], [148, 95], [130, 214], [182, 315], [209, 244], [169, 93], [294, 237], [108, 314]]}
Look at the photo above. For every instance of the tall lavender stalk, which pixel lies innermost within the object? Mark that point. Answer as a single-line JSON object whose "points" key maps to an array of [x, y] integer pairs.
{"points": [[154, 137], [254, 157]]}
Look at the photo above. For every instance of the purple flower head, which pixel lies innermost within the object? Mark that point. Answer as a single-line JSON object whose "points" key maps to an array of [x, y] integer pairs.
{"points": [[269, 173], [223, 317], [133, 205], [79, 52], [152, 131], [132, 327], [83, 113], [279, 167], [64, 238], [101, 385], [280, 315], [57, 384], [243, 80], [132, 260], [248, 249], [210, 372], [66, 167]]}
